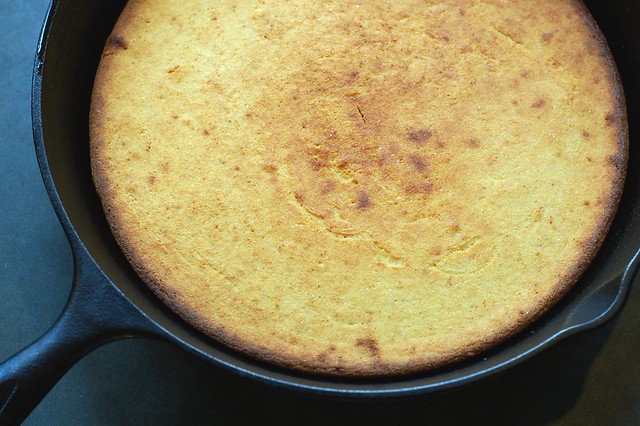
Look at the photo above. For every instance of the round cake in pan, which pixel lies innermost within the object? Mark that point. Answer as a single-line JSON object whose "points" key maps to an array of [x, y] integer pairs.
{"points": [[358, 187]]}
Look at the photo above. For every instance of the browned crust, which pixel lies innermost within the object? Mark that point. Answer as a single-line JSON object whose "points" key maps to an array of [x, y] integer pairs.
{"points": [[618, 168], [218, 332]]}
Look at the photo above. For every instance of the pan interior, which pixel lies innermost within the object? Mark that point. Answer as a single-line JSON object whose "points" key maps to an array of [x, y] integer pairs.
{"points": [[77, 33]]}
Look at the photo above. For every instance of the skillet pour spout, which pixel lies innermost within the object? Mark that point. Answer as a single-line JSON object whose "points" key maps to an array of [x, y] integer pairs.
{"points": [[109, 301]]}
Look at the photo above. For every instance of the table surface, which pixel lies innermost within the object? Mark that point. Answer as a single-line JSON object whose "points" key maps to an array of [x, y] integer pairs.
{"points": [[590, 379]]}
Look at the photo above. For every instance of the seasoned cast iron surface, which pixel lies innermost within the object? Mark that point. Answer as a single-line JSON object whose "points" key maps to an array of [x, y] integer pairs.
{"points": [[141, 381]]}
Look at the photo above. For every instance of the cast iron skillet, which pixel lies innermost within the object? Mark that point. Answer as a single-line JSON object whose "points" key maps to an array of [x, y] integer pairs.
{"points": [[109, 302]]}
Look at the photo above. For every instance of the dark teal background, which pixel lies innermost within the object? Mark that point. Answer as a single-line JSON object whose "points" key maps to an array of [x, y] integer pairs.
{"points": [[590, 379]]}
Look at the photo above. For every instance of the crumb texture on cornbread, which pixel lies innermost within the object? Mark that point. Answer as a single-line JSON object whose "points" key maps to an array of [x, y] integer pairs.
{"points": [[358, 187]]}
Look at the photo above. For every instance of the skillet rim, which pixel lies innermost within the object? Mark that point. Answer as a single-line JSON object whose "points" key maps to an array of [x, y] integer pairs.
{"points": [[272, 374]]}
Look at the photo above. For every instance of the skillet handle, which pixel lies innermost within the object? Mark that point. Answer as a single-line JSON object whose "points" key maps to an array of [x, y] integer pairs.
{"points": [[95, 314]]}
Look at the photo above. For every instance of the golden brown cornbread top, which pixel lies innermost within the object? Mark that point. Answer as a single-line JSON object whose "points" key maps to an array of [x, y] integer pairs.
{"points": [[358, 188]]}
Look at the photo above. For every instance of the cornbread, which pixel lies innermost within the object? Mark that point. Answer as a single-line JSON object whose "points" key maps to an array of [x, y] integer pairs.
{"points": [[358, 188]]}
